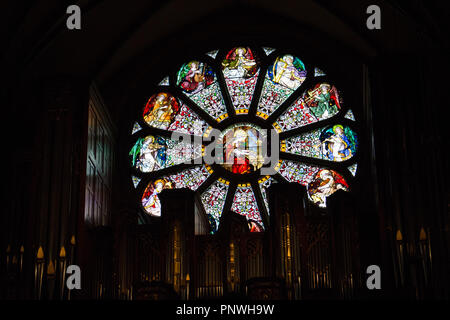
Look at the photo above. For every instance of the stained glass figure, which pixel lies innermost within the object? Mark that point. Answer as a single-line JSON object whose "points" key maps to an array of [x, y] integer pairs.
{"points": [[154, 153], [353, 169], [335, 143], [323, 100], [283, 77], [296, 116], [268, 51], [199, 82], [242, 148], [339, 143], [135, 180], [165, 82], [160, 110], [318, 72], [325, 183], [150, 199], [136, 128], [212, 54], [264, 184], [213, 200], [163, 111], [349, 115], [244, 203], [240, 70]]}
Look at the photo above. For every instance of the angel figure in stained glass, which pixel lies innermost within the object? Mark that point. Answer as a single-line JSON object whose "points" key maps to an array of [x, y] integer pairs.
{"points": [[239, 63], [160, 110], [195, 76], [323, 101], [148, 153], [337, 146], [150, 199], [325, 184], [288, 71]]}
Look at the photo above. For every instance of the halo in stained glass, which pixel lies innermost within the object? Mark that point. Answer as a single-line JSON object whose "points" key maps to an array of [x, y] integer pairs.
{"points": [[202, 96]]}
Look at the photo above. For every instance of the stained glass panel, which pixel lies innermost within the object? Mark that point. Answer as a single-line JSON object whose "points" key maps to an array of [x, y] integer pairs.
{"points": [[349, 115], [283, 77], [212, 54], [200, 86], [268, 51], [323, 100], [213, 200], [318, 72], [325, 183], [244, 203], [298, 172], [297, 115], [335, 143], [240, 70], [135, 180], [150, 200], [154, 153], [264, 184], [353, 169], [164, 82], [191, 178], [163, 111], [136, 128], [199, 82]]}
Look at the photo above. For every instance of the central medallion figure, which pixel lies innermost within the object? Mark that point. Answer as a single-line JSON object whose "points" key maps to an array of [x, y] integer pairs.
{"points": [[242, 148]]}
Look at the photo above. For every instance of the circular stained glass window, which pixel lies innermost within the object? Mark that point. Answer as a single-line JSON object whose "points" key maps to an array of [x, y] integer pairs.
{"points": [[232, 122]]}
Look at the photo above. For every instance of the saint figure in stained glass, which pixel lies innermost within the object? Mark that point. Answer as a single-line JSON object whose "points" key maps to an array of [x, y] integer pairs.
{"points": [[160, 110], [195, 76], [325, 183], [150, 199], [323, 100], [338, 143], [242, 150], [239, 63], [288, 71]]}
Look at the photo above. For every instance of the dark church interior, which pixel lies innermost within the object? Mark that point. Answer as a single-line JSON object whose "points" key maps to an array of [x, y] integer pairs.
{"points": [[71, 97]]}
